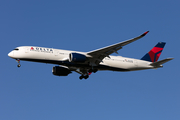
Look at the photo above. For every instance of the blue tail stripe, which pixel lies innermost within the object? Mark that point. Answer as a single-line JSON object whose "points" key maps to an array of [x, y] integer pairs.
{"points": [[160, 44], [146, 58]]}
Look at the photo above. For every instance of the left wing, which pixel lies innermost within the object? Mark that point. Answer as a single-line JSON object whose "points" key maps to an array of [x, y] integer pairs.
{"points": [[98, 55]]}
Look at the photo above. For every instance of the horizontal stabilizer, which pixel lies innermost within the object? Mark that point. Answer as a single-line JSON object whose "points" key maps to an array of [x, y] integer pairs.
{"points": [[159, 63]]}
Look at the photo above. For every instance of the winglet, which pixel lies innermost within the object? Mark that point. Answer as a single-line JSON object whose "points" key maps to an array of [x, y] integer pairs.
{"points": [[145, 33]]}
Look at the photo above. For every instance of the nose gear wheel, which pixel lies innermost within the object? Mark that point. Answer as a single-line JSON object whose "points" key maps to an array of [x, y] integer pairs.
{"points": [[19, 65]]}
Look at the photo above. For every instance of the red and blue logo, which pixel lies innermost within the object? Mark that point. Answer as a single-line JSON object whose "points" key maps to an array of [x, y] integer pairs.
{"points": [[154, 54]]}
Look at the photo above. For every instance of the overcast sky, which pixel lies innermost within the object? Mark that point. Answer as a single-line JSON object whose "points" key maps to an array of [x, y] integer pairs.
{"points": [[32, 92]]}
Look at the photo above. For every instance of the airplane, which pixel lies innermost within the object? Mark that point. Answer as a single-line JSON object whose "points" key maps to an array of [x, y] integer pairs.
{"points": [[86, 63]]}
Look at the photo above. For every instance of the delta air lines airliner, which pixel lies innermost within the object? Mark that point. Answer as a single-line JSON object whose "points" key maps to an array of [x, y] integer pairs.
{"points": [[86, 63]]}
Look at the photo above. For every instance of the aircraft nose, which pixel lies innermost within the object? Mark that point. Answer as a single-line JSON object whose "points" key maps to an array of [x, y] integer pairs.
{"points": [[11, 54]]}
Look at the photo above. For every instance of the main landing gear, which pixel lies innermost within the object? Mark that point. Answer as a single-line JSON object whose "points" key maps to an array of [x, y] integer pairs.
{"points": [[83, 76], [87, 73], [19, 65]]}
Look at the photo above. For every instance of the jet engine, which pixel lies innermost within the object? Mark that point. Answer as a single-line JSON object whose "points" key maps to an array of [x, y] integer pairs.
{"points": [[77, 58], [60, 71]]}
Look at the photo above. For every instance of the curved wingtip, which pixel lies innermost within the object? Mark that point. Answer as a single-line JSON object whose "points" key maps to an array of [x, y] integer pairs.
{"points": [[145, 33]]}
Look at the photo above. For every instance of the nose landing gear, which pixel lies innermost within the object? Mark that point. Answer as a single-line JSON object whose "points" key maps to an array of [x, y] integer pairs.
{"points": [[19, 65]]}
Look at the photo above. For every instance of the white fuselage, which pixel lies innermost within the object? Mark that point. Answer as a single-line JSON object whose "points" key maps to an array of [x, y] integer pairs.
{"points": [[61, 57]]}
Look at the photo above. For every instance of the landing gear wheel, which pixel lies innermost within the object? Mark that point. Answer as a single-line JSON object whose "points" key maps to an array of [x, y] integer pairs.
{"points": [[87, 76], [18, 65], [81, 77]]}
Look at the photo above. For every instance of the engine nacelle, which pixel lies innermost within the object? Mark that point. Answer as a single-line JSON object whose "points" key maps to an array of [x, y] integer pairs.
{"points": [[60, 71], [77, 58]]}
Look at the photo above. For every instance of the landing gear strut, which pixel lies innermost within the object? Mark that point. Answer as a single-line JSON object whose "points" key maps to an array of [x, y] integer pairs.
{"points": [[19, 65], [85, 73], [93, 70]]}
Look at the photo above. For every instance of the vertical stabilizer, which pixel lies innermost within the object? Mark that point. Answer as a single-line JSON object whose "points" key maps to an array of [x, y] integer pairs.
{"points": [[154, 54]]}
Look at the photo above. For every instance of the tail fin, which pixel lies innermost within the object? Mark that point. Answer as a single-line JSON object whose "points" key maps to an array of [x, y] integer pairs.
{"points": [[154, 53]]}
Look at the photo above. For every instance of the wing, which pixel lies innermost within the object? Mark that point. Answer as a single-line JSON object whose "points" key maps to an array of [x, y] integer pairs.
{"points": [[98, 55]]}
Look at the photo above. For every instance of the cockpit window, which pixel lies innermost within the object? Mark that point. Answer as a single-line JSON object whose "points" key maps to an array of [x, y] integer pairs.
{"points": [[16, 49]]}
